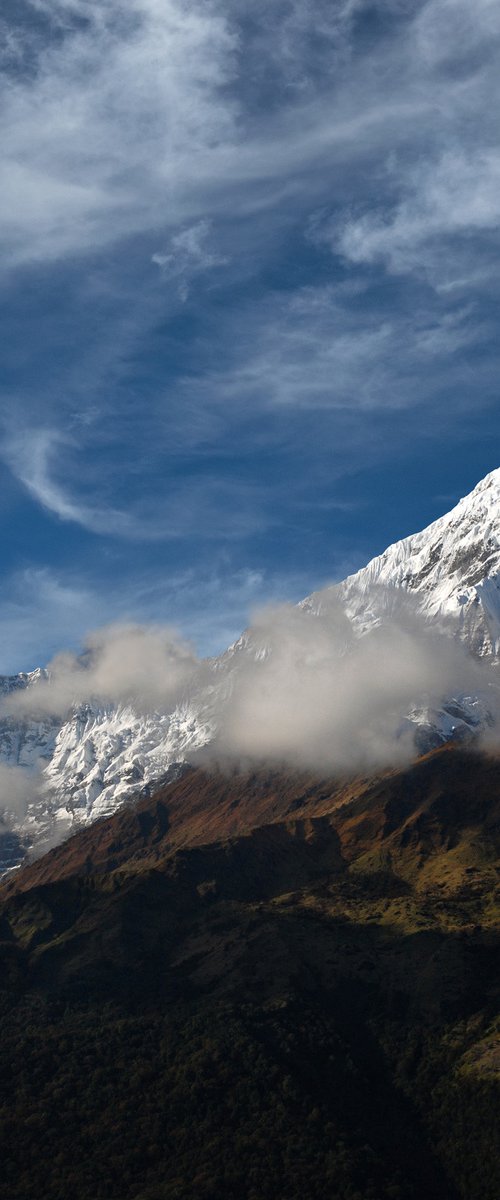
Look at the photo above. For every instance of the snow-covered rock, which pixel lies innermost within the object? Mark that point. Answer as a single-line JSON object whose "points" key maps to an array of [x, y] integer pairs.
{"points": [[452, 569], [86, 766]]}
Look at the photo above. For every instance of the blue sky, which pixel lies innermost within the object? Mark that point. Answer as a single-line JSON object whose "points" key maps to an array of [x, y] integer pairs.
{"points": [[249, 300]]}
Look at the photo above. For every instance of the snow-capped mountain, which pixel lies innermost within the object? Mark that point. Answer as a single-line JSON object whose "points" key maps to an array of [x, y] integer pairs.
{"points": [[452, 569], [86, 766]]}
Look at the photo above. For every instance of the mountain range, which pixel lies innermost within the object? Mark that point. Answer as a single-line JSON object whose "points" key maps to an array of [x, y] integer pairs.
{"points": [[87, 763], [253, 979]]}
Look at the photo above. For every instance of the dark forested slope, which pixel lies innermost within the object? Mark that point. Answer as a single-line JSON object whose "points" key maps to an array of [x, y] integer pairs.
{"points": [[260, 985]]}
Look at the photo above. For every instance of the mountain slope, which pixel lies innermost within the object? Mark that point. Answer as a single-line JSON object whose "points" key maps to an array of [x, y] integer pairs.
{"points": [[305, 1006], [435, 819], [101, 756], [452, 568]]}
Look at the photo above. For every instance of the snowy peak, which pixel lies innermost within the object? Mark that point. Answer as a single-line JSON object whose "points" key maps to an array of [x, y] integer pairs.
{"points": [[451, 568], [89, 764], [12, 683]]}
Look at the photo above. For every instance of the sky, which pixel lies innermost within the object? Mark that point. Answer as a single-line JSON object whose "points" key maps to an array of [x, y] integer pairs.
{"points": [[249, 289]]}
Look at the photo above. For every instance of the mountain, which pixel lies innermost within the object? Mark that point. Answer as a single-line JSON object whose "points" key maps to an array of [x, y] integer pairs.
{"points": [[260, 984], [100, 756], [452, 569]]}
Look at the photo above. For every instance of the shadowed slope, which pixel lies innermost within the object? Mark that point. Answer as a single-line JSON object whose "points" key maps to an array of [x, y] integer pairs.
{"points": [[264, 986], [440, 815]]}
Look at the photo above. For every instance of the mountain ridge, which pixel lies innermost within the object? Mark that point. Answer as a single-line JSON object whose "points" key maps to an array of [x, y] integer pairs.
{"points": [[102, 755], [454, 563], [308, 1007], [399, 816]]}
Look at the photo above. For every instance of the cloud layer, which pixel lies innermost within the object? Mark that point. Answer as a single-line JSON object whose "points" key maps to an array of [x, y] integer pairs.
{"points": [[17, 789], [144, 666], [314, 695], [300, 688]]}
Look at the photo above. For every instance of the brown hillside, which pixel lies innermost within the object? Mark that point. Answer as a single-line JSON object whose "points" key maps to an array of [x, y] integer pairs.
{"points": [[260, 986], [439, 817]]}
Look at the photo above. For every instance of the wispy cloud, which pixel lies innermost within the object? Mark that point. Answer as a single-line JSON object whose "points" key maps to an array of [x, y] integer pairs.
{"points": [[434, 208], [96, 133], [43, 609], [455, 196], [242, 256], [33, 457], [40, 610], [45, 463], [126, 124], [336, 348], [188, 255]]}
